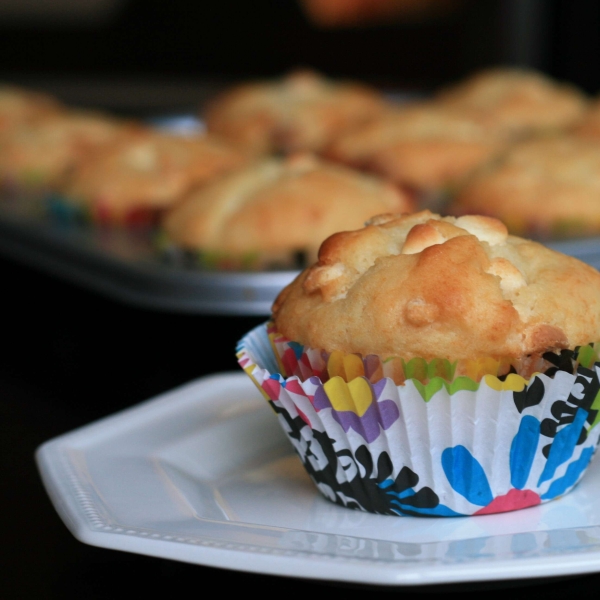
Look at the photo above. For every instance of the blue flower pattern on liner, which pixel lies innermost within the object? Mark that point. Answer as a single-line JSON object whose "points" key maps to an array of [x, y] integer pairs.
{"points": [[522, 451], [467, 477]]}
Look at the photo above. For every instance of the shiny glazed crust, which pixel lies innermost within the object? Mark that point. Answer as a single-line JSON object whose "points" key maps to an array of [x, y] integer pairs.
{"points": [[524, 101], [425, 286], [548, 186], [276, 204], [423, 145], [148, 170], [303, 111]]}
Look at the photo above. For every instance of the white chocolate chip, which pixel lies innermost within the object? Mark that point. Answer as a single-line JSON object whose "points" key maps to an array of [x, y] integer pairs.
{"points": [[420, 237], [418, 312], [485, 229], [511, 279]]}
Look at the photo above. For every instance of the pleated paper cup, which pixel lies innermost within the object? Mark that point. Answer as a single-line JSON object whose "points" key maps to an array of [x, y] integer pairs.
{"points": [[436, 446]]}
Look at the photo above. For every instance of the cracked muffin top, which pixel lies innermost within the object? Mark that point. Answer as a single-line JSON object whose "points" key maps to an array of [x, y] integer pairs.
{"points": [[589, 126], [303, 111], [423, 145], [525, 101], [148, 169], [42, 152], [280, 205], [546, 187], [19, 105], [427, 286]]}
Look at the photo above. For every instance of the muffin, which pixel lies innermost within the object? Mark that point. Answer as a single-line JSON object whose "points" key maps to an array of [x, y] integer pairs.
{"points": [[589, 125], [526, 102], [37, 155], [276, 212], [423, 147], [137, 177], [435, 366], [545, 188], [19, 105], [303, 111]]}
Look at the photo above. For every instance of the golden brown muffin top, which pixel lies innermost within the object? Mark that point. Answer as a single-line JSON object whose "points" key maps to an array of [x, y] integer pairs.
{"points": [[525, 101], [589, 126], [148, 169], [424, 145], [279, 204], [427, 286], [42, 151], [417, 121], [302, 111], [19, 105], [540, 185]]}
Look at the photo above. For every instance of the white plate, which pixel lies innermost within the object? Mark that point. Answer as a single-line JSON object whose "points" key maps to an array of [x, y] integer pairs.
{"points": [[205, 475]]}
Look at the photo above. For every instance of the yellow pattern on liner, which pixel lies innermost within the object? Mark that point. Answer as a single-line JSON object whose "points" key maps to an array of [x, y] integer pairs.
{"points": [[355, 396], [513, 382], [346, 366], [249, 368]]}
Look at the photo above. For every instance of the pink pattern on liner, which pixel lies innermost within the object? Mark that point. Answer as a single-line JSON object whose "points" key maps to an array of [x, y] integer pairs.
{"points": [[513, 500], [272, 387], [294, 386], [290, 362]]}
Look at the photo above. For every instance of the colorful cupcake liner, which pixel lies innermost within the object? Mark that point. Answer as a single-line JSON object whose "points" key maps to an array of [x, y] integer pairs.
{"points": [[303, 362], [216, 260], [67, 212], [437, 449]]}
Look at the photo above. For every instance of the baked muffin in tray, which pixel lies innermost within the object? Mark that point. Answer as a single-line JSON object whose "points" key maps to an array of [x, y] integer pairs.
{"points": [[526, 102], [20, 105], [301, 111], [132, 180], [589, 125], [546, 188], [423, 146], [37, 155], [275, 212], [435, 367]]}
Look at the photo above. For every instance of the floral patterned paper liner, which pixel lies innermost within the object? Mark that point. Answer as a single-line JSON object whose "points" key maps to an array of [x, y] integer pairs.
{"points": [[303, 362], [70, 213], [475, 449], [224, 261]]}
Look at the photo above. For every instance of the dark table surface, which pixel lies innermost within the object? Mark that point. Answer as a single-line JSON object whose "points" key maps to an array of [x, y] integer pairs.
{"points": [[69, 357]]}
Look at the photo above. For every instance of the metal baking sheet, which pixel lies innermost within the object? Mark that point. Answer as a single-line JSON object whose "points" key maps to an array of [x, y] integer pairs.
{"points": [[127, 267], [585, 249]]}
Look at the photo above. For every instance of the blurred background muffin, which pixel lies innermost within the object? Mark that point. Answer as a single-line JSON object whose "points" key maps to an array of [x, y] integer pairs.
{"points": [[276, 212], [38, 154], [425, 147], [547, 187], [135, 178], [301, 111], [19, 105], [589, 124], [526, 102]]}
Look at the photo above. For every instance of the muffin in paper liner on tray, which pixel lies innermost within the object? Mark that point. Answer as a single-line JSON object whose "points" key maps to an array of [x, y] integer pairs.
{"points": [[454, 431]]}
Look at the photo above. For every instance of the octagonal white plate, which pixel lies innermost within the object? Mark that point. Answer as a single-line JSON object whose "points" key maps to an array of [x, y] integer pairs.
{"points": [[203, 474]]}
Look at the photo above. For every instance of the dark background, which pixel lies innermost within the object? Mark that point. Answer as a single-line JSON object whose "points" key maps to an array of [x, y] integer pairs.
{"points": [[69, 356], [186, 49]]}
